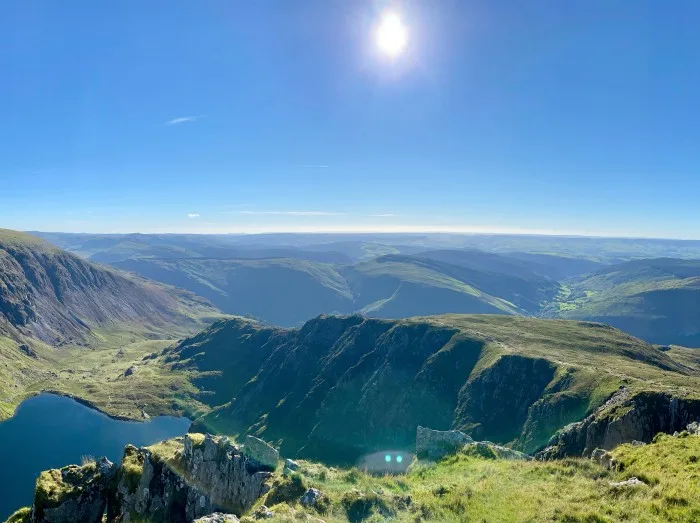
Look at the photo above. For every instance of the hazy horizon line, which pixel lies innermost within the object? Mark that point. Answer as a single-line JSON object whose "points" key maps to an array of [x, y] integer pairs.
{"points": [[435, 231]]}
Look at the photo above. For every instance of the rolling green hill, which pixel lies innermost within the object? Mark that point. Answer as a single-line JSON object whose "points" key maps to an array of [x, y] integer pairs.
{"points": [[287, 291], [341, 387], [658, 300], [281, 291]]}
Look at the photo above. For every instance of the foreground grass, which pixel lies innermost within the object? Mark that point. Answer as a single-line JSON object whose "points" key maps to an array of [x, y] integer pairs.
{"points": [[471, 488]]}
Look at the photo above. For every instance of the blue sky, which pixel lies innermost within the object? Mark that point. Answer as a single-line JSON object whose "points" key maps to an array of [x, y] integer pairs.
{"points": [[276, 115]]}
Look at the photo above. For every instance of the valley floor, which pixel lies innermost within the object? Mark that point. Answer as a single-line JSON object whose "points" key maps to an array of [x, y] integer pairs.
{"points": [[117, 378]]}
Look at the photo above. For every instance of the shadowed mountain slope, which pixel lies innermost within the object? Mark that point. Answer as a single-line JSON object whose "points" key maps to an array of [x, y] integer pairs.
{"points": [[340, 387], [58, 298]]}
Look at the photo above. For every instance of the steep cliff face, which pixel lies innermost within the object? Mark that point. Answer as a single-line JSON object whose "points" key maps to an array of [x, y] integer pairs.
{"points": [[59, 298], [195, 476], [625, 417], [505, 379]]}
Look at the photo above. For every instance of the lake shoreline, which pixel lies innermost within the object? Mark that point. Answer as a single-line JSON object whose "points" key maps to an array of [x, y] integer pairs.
{"points": [[89, 404], [75, 429]]}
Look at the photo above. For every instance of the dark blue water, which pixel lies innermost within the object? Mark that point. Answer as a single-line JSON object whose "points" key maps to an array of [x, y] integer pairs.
{"points": [[50, 431]]}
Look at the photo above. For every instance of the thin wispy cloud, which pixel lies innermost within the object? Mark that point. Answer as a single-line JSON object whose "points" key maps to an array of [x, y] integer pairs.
{"points": [[184, 119], [287, 213], [193, 215], [385, 215]]}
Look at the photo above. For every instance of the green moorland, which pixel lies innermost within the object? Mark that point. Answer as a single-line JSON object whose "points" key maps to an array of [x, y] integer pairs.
{"points": [[98, 377]]}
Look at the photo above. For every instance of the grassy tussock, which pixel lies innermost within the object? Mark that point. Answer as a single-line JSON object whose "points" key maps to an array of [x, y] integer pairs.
{"points": [[474, 488]]}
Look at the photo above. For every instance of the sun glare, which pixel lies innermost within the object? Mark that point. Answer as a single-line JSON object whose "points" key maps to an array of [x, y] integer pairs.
{"points": [[392, 35]]}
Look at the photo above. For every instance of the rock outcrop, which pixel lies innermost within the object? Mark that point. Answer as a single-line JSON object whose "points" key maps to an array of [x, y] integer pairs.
{"points": [[624, 418], [208, 474], [198, 478], [434, 444], [217, 517], [257, 450], [72, 494]]}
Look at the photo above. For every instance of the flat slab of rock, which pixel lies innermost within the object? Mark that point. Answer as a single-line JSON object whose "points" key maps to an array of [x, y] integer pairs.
{"points": [[632, 482], [498, 451], [217, 517], [258, 450], [435, 444]]}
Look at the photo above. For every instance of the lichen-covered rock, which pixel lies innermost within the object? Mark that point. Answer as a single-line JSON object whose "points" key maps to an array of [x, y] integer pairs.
{"points": [[631, 482], [434, 444], [622, 419], [217, 517], [258, 450], [72, 494], [488, 449], [262, 512], [693, 428], [205, 475], [311, 497], [602, 458], [291, 465]]}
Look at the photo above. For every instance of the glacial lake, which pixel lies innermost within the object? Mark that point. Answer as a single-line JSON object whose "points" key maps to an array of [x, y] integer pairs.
{"points": [[50, 431]]}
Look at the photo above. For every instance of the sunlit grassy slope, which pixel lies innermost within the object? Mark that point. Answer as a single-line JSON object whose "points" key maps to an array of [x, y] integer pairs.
{"points": [[466, 488]]}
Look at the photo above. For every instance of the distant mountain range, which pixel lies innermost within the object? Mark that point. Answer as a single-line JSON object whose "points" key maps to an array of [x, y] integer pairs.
{"points": [[290, 291], [286, 279]]}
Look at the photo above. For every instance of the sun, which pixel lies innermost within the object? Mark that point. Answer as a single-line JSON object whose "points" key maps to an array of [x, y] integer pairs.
{"points": [[392, 35]]}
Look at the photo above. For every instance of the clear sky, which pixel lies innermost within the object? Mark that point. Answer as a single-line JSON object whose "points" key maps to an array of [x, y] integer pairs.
{"points": [[279, 115]]}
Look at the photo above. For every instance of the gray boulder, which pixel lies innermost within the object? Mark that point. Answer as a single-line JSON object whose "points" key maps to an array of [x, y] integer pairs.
{"points": [[486, 448], [217, 517], [602, 458], [434, 444], [263, 512], [27, 350], [694, 428], [291, 464], [257, 450], [310, 497], [631, 482]]}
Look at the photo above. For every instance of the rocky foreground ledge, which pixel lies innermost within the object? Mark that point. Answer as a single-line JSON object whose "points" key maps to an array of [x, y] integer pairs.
{"points": [[175, 481], [210, 479]]}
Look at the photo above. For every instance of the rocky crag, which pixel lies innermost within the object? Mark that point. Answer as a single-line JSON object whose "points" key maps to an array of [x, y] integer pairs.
{"points": [[176, 481], [624, 418]]}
